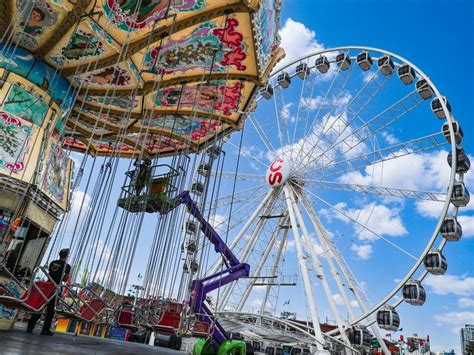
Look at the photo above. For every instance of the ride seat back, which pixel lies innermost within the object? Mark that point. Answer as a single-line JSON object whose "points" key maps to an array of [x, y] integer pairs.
{"points": [[34, 299], [201, 329], [126, 316], [170, 320], [93, 307]]}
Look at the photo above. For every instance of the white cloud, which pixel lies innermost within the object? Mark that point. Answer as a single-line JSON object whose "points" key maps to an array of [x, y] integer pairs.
{"points": [[367, 75], [80, 205], [76, 158], [451, 284], [80, 198], [338, 299], [455, 318], [338, 102], [297, 40], [285, 112], [465, 302], [354, 304], [254, 151], [429, 208], [378, 218], [100, 249], [219, 223], [257, 303], [390, 138], [363, 251], [291, 246], [311, 151], [418, 171], [414, 171], [467, 224]]}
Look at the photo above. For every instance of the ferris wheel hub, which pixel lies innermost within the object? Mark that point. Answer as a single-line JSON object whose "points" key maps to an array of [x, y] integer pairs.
{"points": [[278, 172]]}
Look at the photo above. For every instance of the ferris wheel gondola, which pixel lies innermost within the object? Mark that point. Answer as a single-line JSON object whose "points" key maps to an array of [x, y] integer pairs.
{"points": [[414, 293], [435, 262], [388, 318]]}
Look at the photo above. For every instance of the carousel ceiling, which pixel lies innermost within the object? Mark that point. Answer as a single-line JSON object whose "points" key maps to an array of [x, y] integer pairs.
{"points": [[158, 75]]}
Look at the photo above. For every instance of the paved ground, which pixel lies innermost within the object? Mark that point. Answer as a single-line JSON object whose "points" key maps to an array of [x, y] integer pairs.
{"points": [[20, 342]]}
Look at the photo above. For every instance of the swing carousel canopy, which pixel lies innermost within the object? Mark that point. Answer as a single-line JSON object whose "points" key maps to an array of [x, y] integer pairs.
{"points": [[126, 76]]}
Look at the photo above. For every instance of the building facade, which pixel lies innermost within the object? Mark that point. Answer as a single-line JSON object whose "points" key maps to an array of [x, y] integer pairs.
{"points": [[467, 339]]}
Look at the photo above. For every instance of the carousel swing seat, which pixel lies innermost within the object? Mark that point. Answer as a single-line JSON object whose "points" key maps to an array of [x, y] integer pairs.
{"points": [[158, 191], [33, 300], [89, 309], [201, 329], [126, 316], [35, 297], [168, 323]]}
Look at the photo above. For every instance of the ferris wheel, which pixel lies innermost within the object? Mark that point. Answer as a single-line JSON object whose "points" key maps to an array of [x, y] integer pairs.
{"points": [[352, 162]]}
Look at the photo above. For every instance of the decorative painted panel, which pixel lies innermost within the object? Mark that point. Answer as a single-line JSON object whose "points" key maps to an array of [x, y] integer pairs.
{"points": [[21, 62], [15, 142], [121, 76], [103, 115], [56, 174], [216, 97], [120, 103], [267, 24], [84, 44], [194, 128], [130, 20], [16, 60], [223, 45], [190, 64], [37, 20], [132, 15], [28, 105]]}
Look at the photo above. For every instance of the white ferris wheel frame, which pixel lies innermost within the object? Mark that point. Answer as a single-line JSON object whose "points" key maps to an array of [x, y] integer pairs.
{"points": [[366, 313]]}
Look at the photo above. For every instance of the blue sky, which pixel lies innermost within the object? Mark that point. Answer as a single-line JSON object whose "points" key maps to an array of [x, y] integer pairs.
{"points": [[437, 36]]}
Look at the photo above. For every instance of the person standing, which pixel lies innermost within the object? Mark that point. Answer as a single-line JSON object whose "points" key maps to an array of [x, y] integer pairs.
{"points": [[59, 270]]}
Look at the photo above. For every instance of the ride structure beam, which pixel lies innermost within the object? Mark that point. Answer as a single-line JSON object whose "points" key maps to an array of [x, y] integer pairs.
{"points": [[244, 255], [201, 287], [318, 266], [261, 263], [276, 262], [304, 272], [334, 253], [242, 232]]}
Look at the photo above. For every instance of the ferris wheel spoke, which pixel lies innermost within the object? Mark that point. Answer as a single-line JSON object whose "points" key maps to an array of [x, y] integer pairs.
{"points": [[398, 150], [247, 195], [352, 110], [344, 76], [247, 154], [359, 224], [377, 190], [283, 115], [261, 133], [298, 110], [305, 102], [330, 103], [278, 121], [240, 176], [373, 125]]}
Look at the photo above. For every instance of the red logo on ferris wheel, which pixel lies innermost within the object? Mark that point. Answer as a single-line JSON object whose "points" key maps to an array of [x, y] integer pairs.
{"points": [[274, 175], [278, 172]]}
